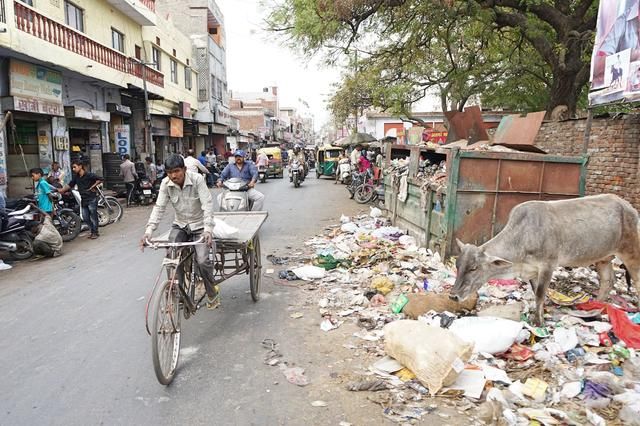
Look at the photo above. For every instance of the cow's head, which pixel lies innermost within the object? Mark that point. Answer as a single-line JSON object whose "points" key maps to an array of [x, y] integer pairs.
{"points": [[475, 267]]}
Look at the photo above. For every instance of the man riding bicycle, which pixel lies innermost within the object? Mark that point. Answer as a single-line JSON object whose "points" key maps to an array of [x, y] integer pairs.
{"points": [[193, 204]]}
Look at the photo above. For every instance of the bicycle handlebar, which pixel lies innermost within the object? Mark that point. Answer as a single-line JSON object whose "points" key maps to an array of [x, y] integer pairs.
{"points": [[162, 244]]}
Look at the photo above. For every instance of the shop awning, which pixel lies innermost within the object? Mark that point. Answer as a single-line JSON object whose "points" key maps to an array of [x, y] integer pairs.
{"points": [[86, 113]]}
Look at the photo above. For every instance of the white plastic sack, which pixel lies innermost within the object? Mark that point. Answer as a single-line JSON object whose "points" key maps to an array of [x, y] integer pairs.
{"points": [[310, 273], [223, 230], [488, 334], [375, 212], [435, 355], [344, 219], [349, 227]]}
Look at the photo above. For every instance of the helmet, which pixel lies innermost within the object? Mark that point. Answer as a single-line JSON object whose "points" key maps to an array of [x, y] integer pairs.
{"points": [[296, 148], [239, 153]]}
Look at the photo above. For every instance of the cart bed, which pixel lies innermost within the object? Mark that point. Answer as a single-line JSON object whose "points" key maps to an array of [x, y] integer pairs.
{"points": [[247, 223]]}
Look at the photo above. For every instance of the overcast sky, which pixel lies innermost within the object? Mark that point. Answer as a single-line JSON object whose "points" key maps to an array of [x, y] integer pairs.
{"points": [[254, 62]]}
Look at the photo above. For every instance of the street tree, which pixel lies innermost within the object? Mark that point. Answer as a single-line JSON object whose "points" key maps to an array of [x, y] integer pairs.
{"points": [[460, 47]]}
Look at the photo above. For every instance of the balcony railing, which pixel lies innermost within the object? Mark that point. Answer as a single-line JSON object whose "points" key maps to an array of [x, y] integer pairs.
{"points": [[38, 25], [150, 4]]}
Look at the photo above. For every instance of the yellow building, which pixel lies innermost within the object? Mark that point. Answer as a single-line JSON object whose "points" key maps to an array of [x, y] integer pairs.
{"points": [[76, 73]]}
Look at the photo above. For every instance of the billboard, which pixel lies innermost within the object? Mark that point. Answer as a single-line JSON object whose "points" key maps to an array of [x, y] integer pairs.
{"points": [[615, 63]]}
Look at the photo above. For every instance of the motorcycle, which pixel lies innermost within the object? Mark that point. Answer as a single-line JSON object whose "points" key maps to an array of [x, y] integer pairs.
{"points": [[296, 173], [66, 221], [143, 191], [235, 197], [262, 173], [73, 200], [14, 236]]}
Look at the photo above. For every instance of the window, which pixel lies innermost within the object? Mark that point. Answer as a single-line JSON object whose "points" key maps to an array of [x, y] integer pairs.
{"points": [[74, 16], [138, 52], [117, 40], [187, 78], [174, 71], [29, 2], [155, 53]]}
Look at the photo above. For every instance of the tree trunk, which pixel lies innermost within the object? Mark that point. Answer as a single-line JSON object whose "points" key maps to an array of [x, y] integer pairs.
{"points": [[563, 91]]}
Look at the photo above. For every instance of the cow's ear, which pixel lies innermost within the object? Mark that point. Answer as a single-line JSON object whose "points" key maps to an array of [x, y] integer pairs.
{"points": [[499, 262], [460, 244]]}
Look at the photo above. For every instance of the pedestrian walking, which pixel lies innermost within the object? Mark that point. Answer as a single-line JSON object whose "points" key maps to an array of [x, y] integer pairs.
{"points": [[87, 183], [129, 175], [194, 165], [152, 172]]}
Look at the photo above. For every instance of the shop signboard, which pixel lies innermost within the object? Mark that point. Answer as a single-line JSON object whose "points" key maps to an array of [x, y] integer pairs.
{"points": [[35, 89], [123, 138], [222, 115], [615, 63], [435, 136], [176, 129]]}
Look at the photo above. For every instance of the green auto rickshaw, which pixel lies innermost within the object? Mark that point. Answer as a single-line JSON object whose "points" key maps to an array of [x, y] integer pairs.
{"points": [[327, 158]]}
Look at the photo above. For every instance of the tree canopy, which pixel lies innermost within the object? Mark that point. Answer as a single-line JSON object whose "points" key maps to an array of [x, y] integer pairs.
{"points": [[518, 54]]}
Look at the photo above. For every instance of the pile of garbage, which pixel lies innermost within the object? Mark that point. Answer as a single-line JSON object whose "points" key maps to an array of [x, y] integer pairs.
{"points": [[481, 357]]}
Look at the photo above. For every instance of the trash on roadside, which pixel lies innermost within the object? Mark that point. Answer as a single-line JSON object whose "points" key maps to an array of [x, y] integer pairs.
{"points": [[399, 303], [295, 376], [319, 404], [309, 273], [329, 324], [488, 334], [383, 285], [510, 311], [378, 300], [288, 275], [535, 389], [367, 385], [436, 356]]}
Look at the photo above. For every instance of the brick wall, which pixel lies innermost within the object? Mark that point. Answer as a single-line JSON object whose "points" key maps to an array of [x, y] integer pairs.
{"points": [[613, 152]]}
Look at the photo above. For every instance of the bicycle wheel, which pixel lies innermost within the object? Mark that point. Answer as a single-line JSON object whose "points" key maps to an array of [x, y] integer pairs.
{"points": [[364, 193], [255, 269], [165, 330], [114, 208]]}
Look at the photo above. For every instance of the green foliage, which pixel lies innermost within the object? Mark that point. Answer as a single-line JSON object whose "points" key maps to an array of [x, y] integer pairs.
{"points": [[522, 55]]}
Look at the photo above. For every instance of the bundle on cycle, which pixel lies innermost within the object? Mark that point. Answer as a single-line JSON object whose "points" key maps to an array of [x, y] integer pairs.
{"points": [[247, 171], [188, 194]]}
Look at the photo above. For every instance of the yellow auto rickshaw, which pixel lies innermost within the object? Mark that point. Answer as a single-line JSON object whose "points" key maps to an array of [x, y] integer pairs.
{"points": [[275, 161], [327, 158]]}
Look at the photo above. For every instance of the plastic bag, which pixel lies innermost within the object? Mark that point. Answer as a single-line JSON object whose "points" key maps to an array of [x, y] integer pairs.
{"points": [[349, 227], [623, 327], [489, 334], [435, 355], [223, 230], [309, 273], [375, 212]]}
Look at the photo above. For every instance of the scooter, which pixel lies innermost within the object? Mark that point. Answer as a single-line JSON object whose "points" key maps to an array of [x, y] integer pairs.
{"points": [[235, 197], [262, 173], [296, 173], [14, 236], [344, 171]]}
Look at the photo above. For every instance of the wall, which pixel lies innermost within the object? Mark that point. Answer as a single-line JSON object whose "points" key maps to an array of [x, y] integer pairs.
{"points": [[613, 152]]}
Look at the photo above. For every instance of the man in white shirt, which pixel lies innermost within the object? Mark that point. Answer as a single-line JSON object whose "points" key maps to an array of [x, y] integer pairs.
{"points": [[194, 165]]}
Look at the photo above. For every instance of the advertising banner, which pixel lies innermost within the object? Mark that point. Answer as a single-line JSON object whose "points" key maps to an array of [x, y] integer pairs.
{"points": [[35, 88], [615, 63], [123, 139]]}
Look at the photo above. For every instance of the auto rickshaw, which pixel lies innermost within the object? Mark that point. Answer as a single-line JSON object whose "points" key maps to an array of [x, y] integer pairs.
{"points": [[275, 161], [327, 158]]}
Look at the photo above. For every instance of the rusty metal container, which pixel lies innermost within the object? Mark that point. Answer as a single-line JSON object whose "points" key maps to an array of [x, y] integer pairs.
{"points": [[482, 187]]}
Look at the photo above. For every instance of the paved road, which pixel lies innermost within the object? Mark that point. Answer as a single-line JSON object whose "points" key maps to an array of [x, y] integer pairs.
{"points": [[74, 349]]}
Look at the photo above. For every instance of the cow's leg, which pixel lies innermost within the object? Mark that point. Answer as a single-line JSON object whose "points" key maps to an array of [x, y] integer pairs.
{"points": [[632, 264], [533, 284], [606, 277], [544, 278]]}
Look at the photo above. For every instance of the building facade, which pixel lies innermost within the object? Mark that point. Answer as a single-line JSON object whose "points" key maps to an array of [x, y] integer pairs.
{"points": [[73, 78], [203, 22]]}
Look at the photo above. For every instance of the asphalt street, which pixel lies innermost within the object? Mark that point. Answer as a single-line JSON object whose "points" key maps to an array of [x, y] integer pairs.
{"points": [[74, 349]]}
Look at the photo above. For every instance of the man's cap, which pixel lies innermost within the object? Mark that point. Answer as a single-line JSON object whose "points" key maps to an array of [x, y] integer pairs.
{"points": [[239, 153]]}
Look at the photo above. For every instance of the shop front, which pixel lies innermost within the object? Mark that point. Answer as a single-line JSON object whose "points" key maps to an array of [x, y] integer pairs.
{"points": [[167, 133], [35, 98], [88, 136]]}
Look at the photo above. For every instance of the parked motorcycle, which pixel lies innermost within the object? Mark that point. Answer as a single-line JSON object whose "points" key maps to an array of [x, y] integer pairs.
{"points": [[262, 173], [296, 173], [66, 221], [14, 236], [73, 200], [235, 197]]}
